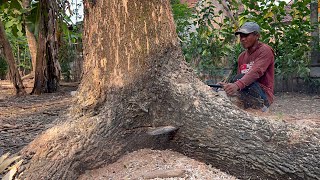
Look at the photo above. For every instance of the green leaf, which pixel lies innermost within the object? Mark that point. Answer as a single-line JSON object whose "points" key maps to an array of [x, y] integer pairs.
{"points": [[14, 31], [20, 34], [15, 4], [269, 14], [9, 24], [19, 27]]}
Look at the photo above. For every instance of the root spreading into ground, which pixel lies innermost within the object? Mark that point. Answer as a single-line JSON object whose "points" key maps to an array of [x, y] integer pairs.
{"points": [[23, 118]]}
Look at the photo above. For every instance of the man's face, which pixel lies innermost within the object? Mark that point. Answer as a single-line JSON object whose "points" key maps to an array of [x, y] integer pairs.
{"points": [[248, 40]]}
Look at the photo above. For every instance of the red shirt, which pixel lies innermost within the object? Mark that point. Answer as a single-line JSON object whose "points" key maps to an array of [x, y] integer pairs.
{"points": [[258, 65]]}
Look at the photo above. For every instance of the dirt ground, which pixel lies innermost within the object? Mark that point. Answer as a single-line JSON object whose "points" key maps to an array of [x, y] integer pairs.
{"points": [[23, 118]]}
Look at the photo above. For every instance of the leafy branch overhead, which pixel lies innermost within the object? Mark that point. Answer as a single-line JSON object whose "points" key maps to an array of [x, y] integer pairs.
{"points": [[12, 14]]}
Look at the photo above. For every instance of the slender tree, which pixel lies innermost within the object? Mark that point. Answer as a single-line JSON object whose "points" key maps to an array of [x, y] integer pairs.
{"points": [[314, 6], [13, 70], [32, 42], [137, 92], [47, 71]]}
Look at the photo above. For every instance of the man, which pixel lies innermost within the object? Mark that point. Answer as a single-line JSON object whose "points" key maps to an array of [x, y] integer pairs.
{"points": [[255, 74]]}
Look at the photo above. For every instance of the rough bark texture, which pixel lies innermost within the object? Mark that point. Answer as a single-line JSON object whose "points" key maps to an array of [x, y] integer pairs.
{"points": [[47, 72], [13, 70], [135, 80]]}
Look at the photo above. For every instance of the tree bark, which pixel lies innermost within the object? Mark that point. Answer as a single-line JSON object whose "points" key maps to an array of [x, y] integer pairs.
{"points": [[314, 5], [32, 44], [315, 56], [47, 71], [136, 81], [13, 70]]}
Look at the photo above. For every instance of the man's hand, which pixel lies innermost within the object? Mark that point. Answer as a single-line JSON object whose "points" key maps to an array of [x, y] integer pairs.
{"points": [[230, 88]]}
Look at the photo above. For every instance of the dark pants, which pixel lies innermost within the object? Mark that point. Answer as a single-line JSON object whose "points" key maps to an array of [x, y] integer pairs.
{"points": [[252, 96]]}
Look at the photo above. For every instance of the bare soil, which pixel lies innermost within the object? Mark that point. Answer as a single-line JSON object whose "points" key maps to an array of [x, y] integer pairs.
{"points": [[23, 118]]}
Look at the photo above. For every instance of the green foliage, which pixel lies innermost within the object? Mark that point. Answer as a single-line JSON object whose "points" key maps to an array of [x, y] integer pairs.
{"points": [[180, 11], [233, 59], [206, 43], [182, 15], [289, 39], [292, 57], [71, 39], [15, 17], [68, 52], [210, 45], [21, 52], [11, 14], [32, 17], [66, 56]]}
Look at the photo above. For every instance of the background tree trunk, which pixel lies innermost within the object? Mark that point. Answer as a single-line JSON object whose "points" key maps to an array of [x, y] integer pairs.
{"points": [[136, 81], [13, 70], [32, 42], [315, 33], [315, 56], [47, 72]]}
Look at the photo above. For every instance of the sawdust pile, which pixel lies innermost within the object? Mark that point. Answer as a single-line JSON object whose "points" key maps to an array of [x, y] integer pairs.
{"points": [[155, 164]]}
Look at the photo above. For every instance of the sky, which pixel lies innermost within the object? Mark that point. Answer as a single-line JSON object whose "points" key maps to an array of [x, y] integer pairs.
{"points": [[77, 9]]}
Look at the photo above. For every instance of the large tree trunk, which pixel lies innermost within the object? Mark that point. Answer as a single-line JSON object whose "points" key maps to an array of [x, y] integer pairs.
{"points": [[315, 56], [13, 70], [314, 7], [47, 71], [136, 81]]}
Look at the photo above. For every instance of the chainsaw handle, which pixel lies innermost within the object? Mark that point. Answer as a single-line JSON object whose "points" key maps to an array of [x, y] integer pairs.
{"points": [[215, 85]]}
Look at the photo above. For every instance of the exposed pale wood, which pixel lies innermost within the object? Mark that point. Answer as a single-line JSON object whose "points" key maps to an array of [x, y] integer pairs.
{"points": [[13, 170], [161, 130], [28, 76]]}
